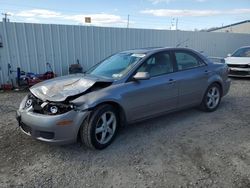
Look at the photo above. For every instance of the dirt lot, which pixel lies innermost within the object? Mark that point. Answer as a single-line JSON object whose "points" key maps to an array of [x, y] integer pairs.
{"points": [[185, 149]]}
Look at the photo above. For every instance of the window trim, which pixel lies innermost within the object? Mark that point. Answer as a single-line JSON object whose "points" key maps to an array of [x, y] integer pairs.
{"points": [[200, 60]]}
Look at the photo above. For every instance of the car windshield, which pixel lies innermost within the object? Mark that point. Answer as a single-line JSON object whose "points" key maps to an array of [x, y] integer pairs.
{"points": [[115, 66], [242, 52]]}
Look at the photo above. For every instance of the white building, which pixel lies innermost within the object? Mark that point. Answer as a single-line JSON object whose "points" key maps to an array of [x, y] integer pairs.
{"points": [[240, 27]]}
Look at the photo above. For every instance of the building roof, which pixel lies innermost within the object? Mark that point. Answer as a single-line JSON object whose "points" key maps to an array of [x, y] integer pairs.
{"points": [[238, 23]]}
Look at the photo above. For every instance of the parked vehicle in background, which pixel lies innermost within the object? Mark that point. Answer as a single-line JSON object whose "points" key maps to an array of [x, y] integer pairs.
{"points": [[239, 62], [216, 59], [126, 87]]}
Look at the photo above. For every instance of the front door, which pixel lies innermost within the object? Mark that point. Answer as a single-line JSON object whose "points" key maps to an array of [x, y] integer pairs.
{"points": [[145, 98]]}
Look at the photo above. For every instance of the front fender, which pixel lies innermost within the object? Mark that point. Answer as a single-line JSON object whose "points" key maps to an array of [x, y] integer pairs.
{"points": [[93, 99], [88, 103]]}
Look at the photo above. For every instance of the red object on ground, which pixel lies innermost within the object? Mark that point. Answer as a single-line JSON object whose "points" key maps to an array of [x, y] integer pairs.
{"points": [[7, 87]]}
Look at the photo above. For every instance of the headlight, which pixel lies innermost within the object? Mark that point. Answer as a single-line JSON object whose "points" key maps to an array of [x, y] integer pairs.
{"points": [[45, 107], [28, 103], [57, 108], [53, 109], [30, 100]]}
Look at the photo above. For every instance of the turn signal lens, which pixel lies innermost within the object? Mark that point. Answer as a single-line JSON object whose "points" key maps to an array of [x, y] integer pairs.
{"points": [[64, 122]]}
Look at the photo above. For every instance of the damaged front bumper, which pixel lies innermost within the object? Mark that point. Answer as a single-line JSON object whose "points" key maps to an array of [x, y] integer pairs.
{"points": [[60, 129]]}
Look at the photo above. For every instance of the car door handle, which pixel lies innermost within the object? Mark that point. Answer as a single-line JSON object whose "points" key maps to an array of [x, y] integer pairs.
{"points": [[207, 72], [171, 81]]}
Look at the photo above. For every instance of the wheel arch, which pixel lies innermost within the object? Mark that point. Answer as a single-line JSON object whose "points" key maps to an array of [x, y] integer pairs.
{"points": [[121, 113], [216, 80], [116, 105], [219, 84]]}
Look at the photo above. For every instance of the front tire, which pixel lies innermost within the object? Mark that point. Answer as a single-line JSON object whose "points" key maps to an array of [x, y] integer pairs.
{"points": [[99, 130], [212, 98]]}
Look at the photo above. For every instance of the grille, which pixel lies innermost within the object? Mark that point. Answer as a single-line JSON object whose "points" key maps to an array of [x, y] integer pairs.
{"points": [[238, 66], [240, 73]]}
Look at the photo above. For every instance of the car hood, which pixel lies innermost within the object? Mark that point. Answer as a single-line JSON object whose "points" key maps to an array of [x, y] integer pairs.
{"points": [[238, 60], [58, 89]]}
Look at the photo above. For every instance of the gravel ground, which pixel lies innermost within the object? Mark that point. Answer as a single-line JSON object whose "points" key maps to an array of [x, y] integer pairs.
{"points": [[184, 149]]}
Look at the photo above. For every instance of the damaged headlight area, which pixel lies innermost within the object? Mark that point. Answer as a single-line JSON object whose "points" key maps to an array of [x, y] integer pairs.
{"points": [[48, 108], [57, 108], [29, 101]]}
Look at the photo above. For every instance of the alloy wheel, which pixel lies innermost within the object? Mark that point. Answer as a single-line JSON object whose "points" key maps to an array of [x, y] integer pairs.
{"points": [[213, 97], [105, 128]]}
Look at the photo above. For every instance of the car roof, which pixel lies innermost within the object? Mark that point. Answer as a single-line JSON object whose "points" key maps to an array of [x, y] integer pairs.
{"points": [[244, 47], [142, 50], [152, 50]]}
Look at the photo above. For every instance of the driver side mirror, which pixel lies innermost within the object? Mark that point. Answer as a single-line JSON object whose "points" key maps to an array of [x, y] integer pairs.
{"points": [[141, 76], [229, 55]]}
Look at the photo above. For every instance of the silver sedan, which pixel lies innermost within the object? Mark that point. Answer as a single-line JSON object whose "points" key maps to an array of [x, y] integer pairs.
{"points": [[124, 88]]}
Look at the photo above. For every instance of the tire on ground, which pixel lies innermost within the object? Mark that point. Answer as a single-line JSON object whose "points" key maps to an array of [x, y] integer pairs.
{"points": [[203, 106], [88, 128]]}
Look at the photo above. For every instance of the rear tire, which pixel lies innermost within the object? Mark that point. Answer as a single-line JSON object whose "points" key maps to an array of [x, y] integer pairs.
{"points": [[99, 130], [211, 99]]}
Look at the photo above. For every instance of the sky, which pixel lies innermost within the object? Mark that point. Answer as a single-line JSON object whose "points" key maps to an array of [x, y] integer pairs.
{"points": [[152, 14]]}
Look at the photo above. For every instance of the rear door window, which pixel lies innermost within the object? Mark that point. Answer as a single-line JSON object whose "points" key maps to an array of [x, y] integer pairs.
{"points": [[187, 60]]}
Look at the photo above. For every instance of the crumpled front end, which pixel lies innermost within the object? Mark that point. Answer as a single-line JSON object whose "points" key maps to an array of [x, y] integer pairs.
{"points": [[47, 113], [58, 128], [60, 88]]}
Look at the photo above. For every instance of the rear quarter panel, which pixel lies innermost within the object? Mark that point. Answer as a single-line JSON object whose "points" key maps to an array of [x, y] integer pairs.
{"points": [[220, 75]]}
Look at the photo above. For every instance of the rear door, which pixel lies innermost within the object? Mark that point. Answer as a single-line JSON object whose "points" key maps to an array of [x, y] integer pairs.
{"points": [[192, 77], [158, 94]]}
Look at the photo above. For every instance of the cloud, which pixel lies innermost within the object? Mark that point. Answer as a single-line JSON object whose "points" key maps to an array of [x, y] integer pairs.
{"points": [[201, 1], [240, 11], [191, 13], [154, 2], [97, 19], [32, 20], [179, 12], [39, 13], [101, 19]]}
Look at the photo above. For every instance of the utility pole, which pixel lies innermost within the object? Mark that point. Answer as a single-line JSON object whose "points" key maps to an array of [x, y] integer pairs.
{"points": [[6, 19], [172, 24], [128, 22], [176, 24]]}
